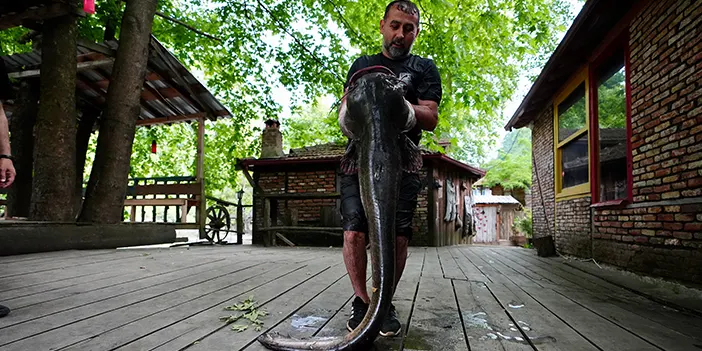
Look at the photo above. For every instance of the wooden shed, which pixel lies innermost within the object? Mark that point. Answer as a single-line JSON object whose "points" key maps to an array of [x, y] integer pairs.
{"points": [[494, 216]]}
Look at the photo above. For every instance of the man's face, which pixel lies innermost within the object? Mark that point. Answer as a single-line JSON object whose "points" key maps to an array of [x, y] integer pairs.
{"points": [[399, 31]]}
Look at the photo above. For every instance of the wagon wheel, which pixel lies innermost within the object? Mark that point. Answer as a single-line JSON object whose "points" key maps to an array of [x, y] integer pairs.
{"points": [[218, 221]]}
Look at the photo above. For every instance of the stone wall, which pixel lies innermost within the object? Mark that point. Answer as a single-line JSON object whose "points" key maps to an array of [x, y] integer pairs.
{"points": [[542, 188], [573, 227]]}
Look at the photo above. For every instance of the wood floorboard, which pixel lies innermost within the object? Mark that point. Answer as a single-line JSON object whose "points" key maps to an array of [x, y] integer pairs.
{"points": [[450, 298], [194, 328]]}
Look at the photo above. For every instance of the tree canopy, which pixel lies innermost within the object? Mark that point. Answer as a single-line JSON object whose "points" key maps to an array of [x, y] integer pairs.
{"points": [[512, 167], [252, 48]]}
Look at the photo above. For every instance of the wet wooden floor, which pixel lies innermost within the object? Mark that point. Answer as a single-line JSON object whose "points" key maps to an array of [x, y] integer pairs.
{"points": [[457, 298]]}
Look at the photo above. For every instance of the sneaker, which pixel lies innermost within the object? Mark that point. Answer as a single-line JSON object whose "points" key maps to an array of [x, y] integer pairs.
{"points": [[391, 325], [358, 312], [4, 311]]}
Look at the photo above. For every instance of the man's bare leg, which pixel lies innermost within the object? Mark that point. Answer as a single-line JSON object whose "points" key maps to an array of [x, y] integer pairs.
{"points": [[401, 244], [356, 262]]}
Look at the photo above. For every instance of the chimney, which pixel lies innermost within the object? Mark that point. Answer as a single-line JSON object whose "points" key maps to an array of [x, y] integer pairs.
{"points": [[272, 140], [445, 144]]}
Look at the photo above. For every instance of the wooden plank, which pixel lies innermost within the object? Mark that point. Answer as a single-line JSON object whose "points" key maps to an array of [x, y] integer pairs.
{"points": [[166, 189], [13, 270], [469, 270], [680, 321], [78, 307], [502, 256], [491, 260], [155, 202], [284, 239], [283, 306], [86, 329], [187, 331], [449, 266], [598, 330], [139, 328], [436, 320], [548, 331], [111, 279], [50, 256], [485, 322], [485, 267]]}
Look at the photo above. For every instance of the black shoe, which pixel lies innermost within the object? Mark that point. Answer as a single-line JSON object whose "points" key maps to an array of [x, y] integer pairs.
{"points": [[4, 311], [358, 312], [391, 325]]}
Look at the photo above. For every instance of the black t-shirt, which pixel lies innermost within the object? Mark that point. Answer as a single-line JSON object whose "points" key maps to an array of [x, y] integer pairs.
{"points": [[420, 74]]}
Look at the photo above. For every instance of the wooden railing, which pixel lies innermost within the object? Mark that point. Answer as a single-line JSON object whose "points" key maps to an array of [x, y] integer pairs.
{"points": [[179, 193], [270, 203]]}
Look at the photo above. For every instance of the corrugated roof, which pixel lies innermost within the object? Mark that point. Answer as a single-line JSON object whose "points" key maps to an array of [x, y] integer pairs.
{"points": [[494, 199], [170, 93]]}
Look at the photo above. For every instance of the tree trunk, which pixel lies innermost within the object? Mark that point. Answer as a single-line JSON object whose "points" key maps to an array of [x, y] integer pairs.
{"points": [[55, 145], [107, 187], [22, 141], [85, 129]]}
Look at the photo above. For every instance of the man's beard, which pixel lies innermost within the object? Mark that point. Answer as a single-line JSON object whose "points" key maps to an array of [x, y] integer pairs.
{"points": [[396, 52]]}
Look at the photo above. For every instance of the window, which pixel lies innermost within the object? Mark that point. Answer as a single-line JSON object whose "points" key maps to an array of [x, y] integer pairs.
{"points": [[592, 133], [612, 129], [572, 146]]}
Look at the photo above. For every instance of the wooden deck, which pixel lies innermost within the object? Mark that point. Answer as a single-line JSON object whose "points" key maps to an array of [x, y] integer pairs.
{"points": [[457, 298]]}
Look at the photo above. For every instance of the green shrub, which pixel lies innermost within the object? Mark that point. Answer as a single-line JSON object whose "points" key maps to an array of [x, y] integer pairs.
{"points": [[524, 224]]}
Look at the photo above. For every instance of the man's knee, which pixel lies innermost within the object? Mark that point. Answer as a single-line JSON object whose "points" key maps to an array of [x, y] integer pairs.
{"points": [[354, 237]]}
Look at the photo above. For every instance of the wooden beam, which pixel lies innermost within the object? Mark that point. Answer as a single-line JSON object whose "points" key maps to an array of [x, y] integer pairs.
{"points": [[290, 228], [40, 13], [170, 119], [165, 189], [285, 240], [201, 215], [81, 66]]}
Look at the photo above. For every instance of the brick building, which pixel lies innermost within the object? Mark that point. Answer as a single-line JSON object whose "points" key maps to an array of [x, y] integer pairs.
{"points": [[616, 119], [287, 180]]}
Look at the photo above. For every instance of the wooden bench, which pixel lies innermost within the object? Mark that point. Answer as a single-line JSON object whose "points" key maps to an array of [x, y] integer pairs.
{"points": [[183, 193]]}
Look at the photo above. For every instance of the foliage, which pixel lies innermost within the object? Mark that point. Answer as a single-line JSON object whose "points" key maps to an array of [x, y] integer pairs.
{"points": [[611, 102], [306, 47], [512, 168], [311, 125], [249, 311], [525, 224]]}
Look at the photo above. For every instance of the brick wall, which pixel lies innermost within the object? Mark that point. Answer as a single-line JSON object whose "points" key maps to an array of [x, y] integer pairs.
{"points": [[661, 233], [573, 227], [666, 71], [542, 189], [311, 182], [325, 181]]}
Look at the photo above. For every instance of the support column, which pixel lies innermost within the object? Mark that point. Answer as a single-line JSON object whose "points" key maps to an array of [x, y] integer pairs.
{"points": [[202, 204]]}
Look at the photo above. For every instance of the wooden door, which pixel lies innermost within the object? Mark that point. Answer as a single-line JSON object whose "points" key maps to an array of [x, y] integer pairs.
{"points": [[486, 225]]}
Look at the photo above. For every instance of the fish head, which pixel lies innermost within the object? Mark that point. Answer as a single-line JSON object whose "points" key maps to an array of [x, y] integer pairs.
{"points": [[376, 100]]}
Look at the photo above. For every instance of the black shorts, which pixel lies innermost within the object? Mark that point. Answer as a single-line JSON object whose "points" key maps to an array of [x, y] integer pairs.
{"points": [[353, 217]]}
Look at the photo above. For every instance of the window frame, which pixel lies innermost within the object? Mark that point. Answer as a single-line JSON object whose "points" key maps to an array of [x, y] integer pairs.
{"points": [[582, 77], [620, 42]]}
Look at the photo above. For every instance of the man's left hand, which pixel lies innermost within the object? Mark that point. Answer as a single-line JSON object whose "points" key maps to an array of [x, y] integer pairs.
{"points": [[7, 173], [411, 117]]}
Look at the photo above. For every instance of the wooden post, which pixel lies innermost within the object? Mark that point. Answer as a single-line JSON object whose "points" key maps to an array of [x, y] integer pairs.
{"points": [[266, 221], [202, 207], [239, 222]]}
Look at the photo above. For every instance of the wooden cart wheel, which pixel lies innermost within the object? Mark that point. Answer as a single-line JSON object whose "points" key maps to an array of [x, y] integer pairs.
{"points": [[218, 222]]}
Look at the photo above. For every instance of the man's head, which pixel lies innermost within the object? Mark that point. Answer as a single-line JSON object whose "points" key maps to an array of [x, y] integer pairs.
{"points": [[399, 27]]}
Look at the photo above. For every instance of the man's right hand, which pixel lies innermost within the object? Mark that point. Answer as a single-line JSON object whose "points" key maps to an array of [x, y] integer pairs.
{"points": [[7, 173]]}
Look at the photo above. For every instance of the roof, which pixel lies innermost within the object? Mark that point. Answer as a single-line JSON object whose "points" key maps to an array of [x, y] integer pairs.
{"points": [[332, 152], [28, 12], [495, 199], [171, 93], [589, 30]]}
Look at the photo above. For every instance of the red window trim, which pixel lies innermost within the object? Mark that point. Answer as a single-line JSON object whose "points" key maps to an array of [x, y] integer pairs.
{"points": [[619, 40]]}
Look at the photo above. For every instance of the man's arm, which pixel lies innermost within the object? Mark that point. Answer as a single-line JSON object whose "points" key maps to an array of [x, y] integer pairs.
{"points": [[7, 169], [427, 114]]}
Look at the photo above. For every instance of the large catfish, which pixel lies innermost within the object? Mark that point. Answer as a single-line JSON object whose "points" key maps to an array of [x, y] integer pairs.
{"points": [[376, 116]]}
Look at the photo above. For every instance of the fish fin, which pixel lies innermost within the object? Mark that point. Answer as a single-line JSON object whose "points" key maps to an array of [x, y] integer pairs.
{"points": [[349, 161], [411, 155]]}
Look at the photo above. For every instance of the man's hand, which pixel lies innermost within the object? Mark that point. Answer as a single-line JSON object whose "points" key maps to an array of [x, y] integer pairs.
{"points": [[411, 117], [7, 173]]}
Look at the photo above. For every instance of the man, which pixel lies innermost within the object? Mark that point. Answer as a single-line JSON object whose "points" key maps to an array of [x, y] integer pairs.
{"points": [[399, 27], [7, 169]]}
